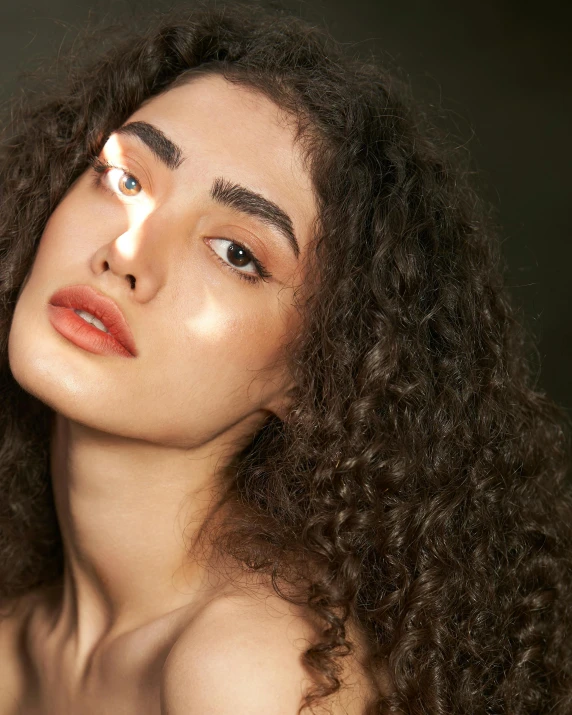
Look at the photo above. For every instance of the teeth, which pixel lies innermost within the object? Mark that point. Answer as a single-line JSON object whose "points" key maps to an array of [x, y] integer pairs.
{"points": [[89, 318]]}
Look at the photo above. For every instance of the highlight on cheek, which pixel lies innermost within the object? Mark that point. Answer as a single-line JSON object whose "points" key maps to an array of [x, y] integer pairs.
{"points": [[211, 320]]}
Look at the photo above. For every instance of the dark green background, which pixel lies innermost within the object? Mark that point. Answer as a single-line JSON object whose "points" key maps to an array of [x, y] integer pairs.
{"points": [[500, 71]]}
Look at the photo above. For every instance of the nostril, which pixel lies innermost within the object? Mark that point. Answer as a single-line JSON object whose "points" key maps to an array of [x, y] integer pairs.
{"points": [[132, 279]]}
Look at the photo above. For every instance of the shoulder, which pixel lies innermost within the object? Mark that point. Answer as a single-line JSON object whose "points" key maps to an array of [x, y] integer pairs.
{"points": [[243, 655], [239, 655]]}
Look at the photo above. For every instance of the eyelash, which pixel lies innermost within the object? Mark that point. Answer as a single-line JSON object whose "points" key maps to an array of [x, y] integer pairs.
{"points": [[102, 167]]}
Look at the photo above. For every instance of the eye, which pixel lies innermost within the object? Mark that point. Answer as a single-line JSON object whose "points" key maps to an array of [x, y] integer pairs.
{"points": [[238, 258], [118, 178], [122, 182]]}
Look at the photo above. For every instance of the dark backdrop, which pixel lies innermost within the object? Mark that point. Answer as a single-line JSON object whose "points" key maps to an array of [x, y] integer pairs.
{"points": [[498, 69]]}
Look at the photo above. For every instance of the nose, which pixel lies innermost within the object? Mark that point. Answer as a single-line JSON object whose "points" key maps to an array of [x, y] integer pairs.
{"points": [[137, 258]]}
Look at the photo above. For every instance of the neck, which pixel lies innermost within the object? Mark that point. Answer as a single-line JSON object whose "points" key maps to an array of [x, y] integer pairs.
{"points": [[128, 512]]}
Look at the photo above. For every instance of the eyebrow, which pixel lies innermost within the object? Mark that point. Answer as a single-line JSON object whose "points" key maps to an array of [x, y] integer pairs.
{"points": [[162, 147], [253, 204], [223, 191]]}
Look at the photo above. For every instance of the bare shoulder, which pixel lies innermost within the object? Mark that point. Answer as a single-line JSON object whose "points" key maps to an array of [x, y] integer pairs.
{"points": [[243, 654]]}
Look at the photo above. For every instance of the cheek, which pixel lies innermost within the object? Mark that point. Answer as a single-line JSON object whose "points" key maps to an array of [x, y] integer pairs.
{"points": [[246, 332], [226, 360], [222, 321], [77, 227], [225, 364], [65, 241]]}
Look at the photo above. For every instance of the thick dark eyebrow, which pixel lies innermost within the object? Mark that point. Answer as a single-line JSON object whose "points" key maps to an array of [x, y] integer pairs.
{"points": [[248, 202], [164, 149]]}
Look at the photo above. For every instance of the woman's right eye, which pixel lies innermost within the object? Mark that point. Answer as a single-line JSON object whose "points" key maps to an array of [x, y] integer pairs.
{"points": [[115, 179], [123, 182]]}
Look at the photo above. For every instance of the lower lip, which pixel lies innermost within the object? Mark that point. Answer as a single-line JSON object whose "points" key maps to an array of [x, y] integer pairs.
{"points": [[78, 331]]}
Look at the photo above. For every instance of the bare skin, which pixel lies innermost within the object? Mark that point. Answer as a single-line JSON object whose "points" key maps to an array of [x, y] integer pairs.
{"points": [[137, 442]]}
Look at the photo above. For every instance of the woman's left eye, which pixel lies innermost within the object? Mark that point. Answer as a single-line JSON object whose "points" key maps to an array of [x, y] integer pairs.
{"points": [[236, 257]]}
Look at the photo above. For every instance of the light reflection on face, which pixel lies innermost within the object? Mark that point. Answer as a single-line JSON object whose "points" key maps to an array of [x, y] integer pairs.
{"points": [[214, 287]]}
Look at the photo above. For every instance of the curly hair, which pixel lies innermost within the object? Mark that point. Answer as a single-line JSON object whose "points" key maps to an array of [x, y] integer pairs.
{"points": [[418, 486]]}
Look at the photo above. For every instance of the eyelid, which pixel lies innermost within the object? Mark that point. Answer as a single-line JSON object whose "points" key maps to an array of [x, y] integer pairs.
{"points": [[102, 167], [101, 182], [259, 273], [133, 152]]}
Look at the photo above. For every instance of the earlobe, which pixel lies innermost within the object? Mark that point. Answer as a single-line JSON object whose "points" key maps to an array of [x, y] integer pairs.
{"points": [[282, 403]]}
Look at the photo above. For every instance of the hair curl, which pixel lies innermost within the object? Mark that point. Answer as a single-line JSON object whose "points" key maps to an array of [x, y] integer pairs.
{"points": [[418, 485]]}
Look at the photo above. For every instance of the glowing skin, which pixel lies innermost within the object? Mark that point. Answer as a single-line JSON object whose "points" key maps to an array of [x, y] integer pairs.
{"points": [[136, 441]]}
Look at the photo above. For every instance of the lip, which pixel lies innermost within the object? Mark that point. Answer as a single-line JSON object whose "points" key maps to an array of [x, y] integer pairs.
{"points": [[63, 303]]}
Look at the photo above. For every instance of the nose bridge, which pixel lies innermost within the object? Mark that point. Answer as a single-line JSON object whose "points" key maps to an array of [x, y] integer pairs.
{"points": [[141, 252], [140, 241]]}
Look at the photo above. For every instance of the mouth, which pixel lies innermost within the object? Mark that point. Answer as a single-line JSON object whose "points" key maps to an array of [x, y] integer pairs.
{"points": [[91, 320]]}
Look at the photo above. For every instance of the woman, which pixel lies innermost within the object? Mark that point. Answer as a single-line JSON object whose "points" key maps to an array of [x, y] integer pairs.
{"points": [[269, 433]]}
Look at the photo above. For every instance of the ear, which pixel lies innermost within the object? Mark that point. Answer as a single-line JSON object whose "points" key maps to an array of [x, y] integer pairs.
{"points": [[281, 402]]}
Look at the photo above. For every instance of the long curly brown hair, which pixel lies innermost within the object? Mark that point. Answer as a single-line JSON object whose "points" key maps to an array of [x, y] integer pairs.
{"points": [[418, 486]]}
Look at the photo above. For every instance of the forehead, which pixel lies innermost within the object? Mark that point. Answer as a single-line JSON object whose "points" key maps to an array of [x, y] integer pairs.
{"points": [[232, 131]]}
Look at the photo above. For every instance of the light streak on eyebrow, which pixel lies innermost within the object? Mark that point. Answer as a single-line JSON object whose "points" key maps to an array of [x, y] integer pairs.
{"points": [[253, 204], [162, 147]]}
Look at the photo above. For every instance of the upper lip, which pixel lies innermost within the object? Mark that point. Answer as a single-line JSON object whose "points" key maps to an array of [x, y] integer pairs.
{"points": [[84, 297]]}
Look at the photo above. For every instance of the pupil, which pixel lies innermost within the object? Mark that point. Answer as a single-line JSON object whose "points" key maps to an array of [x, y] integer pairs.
{"points": [[130, 183], [238, 254]]}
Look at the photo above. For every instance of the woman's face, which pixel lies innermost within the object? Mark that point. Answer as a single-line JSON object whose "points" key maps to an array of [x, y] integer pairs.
{"points": [[193, 230]]}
